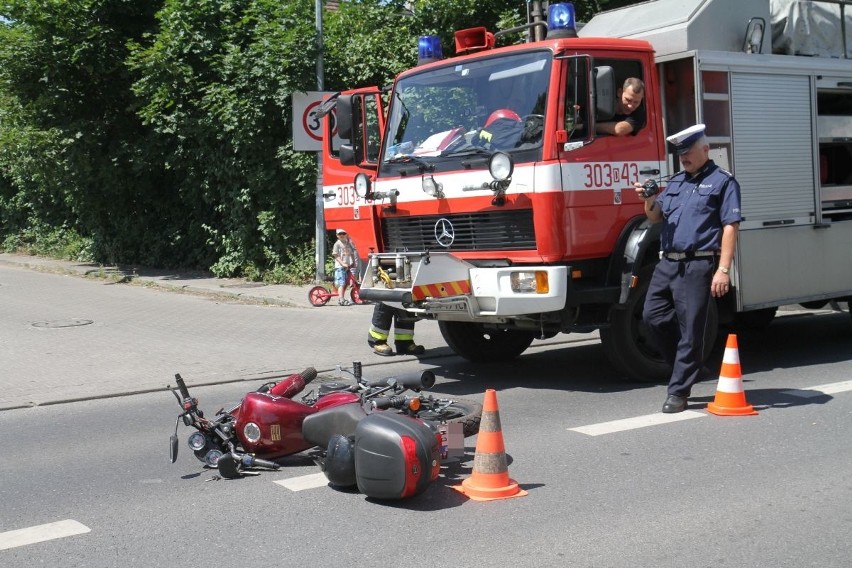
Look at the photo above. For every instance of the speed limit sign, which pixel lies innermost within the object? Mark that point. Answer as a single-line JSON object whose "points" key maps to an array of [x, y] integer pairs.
{"points": [[307, 124]]}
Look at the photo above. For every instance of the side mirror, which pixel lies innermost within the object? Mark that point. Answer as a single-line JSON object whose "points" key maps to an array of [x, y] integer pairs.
{"points": [[345, 118], [173, 448], [604, 77], [347, 155]]}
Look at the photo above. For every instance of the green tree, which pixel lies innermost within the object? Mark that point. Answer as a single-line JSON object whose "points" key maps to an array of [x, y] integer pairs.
{"points": [[69, 137], [216, 81]]}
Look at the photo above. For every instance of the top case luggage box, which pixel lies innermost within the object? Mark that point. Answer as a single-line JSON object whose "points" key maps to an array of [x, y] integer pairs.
{"points": [[396, 456]]}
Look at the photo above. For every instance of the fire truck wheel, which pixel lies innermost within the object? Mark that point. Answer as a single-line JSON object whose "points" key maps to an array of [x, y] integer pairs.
{"points": [[476, 343], [626, 342]]}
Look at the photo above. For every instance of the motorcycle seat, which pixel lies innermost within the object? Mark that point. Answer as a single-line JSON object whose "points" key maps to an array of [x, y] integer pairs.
{"points": [[319, 427]]}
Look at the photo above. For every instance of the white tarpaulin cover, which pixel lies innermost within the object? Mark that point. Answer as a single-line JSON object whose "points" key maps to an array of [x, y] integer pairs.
{"points": [[810, 27]]}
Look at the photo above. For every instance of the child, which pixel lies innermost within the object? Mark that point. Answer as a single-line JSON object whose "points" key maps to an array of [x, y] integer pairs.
{"points": [[345, 258]]}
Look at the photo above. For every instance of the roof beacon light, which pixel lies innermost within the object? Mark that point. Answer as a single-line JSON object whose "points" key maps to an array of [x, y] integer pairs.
{"points": [[428, 49], [560, 21]]}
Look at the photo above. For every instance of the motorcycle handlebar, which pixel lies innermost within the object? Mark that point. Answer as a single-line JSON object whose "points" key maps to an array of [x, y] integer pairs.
{"points": [[184, 392], [385, 402], [309, 374]]}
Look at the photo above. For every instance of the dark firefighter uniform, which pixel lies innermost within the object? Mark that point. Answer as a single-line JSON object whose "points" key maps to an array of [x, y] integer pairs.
{"points": [[694, 208], [403, 331]]}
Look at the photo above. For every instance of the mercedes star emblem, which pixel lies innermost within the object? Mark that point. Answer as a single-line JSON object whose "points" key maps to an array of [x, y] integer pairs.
{"points": [[445, 234]]}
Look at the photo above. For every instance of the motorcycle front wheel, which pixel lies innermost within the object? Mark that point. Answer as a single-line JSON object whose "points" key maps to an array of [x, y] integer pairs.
{"points": [[468, 413]]}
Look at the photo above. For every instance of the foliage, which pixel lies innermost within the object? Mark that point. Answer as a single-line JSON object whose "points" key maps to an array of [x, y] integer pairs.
{"points": [[158, 132]]}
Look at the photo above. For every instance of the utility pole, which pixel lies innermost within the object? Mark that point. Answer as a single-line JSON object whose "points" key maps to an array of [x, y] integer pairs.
{"points": [[320, 200]]}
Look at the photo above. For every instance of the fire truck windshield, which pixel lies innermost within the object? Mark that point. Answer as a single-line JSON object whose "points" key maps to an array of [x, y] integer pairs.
{"points": [[467, 107]]}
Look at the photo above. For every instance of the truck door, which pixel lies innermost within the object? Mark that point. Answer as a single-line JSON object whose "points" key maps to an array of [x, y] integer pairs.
{"points": [[598, 170], [343, 208]]}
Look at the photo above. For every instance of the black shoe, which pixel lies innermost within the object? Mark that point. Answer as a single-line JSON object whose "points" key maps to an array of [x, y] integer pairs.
{"points": [[674, 403], [409, 348]]}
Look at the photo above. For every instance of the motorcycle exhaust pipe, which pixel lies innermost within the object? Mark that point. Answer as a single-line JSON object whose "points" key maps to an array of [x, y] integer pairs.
{"points": [[415, 381]]}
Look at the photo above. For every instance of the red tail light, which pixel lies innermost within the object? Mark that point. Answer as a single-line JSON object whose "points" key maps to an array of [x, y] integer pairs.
{"points": [[412, 466]]}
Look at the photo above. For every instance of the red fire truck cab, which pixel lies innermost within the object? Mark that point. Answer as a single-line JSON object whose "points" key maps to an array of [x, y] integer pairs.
{"points": [[494, 207]]}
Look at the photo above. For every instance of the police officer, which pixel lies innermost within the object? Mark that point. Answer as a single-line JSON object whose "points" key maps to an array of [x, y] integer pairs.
{"points": [[700, 211], [403, 331]]}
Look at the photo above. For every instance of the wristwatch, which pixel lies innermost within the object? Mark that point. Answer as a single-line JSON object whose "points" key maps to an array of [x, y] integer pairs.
{"points": [[724, 269]]}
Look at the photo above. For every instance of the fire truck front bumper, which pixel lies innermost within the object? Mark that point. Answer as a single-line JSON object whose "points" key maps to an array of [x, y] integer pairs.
{"points": [[443, 286]]}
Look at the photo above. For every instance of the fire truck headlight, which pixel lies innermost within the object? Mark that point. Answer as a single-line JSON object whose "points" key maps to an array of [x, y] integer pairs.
{"points": [[432, 187], [362, 185], [531, 282], [501, 166]]}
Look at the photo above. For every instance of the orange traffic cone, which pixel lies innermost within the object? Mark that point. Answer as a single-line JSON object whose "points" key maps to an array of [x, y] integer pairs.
{"points": [[490, 477], [730, 398]]}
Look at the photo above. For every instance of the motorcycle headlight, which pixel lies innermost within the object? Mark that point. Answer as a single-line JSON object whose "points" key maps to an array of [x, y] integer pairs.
{"points": [[251, 431], [212, 458], [197, 441]]}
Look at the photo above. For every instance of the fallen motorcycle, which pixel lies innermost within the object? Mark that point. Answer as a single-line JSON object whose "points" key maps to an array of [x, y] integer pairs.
{"points": [[267, 424]]}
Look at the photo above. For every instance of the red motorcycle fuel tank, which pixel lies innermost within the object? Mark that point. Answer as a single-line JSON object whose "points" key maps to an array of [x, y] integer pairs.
{"points": [[271, 426]]}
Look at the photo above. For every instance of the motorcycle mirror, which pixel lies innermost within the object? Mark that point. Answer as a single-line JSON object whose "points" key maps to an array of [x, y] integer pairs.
{"points": [[416, 381], [173, 447]]}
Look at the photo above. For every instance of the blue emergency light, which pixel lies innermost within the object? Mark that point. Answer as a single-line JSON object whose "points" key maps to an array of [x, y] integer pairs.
{"points": [[428, 49], [560, 21]]}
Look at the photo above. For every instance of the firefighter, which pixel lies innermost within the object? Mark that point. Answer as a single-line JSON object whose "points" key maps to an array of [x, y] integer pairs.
{"points": [[403, 332], [629, 110], [700, 212]]}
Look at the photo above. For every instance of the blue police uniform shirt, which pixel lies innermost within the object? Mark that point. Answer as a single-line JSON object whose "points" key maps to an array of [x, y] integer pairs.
{"points": [[696, 208]]}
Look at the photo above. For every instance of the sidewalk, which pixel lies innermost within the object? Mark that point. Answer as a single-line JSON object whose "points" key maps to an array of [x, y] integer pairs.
{"points": [[191, 282]]}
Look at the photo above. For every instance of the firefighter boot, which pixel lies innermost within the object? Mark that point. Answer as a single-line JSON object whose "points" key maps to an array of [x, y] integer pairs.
{"points": [[409, 348], [382, 349]]}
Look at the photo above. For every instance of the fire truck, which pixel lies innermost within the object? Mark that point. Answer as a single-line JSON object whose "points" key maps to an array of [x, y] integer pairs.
{"points": [[536, 230]]}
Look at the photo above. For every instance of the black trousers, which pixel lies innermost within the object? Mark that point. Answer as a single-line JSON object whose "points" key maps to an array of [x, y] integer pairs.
{"points": [[675, 314]]}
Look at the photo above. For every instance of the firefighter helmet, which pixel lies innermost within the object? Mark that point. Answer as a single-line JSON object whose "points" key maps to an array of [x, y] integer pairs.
{"points": [[502, 113]]}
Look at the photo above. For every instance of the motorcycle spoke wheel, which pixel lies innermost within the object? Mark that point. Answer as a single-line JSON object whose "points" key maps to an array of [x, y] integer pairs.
{"points": [[468, 413]]}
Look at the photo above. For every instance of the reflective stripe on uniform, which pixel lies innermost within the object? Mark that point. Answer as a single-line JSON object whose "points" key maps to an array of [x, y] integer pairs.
{"points": [[381, 335]]}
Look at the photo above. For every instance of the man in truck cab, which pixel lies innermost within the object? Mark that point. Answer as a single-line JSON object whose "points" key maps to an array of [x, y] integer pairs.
{"points": [[700, 212], [629, 111]]}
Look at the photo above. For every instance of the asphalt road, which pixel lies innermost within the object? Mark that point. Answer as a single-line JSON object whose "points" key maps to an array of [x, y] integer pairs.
{"points": [[767, 490]]}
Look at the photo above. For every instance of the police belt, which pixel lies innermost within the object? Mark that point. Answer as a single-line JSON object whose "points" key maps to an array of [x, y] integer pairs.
{"points": [[691, 255]]}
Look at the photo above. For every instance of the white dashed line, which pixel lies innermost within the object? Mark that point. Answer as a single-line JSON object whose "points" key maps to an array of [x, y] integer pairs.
{"points": [[659, 418], [41, 533], [820, 390], [304, 482], [637, 422]]}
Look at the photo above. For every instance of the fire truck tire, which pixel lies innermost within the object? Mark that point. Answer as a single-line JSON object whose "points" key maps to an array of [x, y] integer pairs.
{"points": [[480, 345], [626, 342]]}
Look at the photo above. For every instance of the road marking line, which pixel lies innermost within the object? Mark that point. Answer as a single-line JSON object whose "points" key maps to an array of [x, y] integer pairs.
{"points": [[41, 533], [304, 482], [637, 422], [820, 390]]}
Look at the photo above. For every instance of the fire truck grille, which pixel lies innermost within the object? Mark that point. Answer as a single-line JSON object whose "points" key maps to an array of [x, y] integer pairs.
{"points": [[492, 230]]}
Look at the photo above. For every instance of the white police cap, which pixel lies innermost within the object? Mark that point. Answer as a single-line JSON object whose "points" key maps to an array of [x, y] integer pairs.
{"points": [[683, 140]]}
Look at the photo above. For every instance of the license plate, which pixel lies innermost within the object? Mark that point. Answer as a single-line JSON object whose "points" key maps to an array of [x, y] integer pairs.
{"points": [[449, 307]]}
